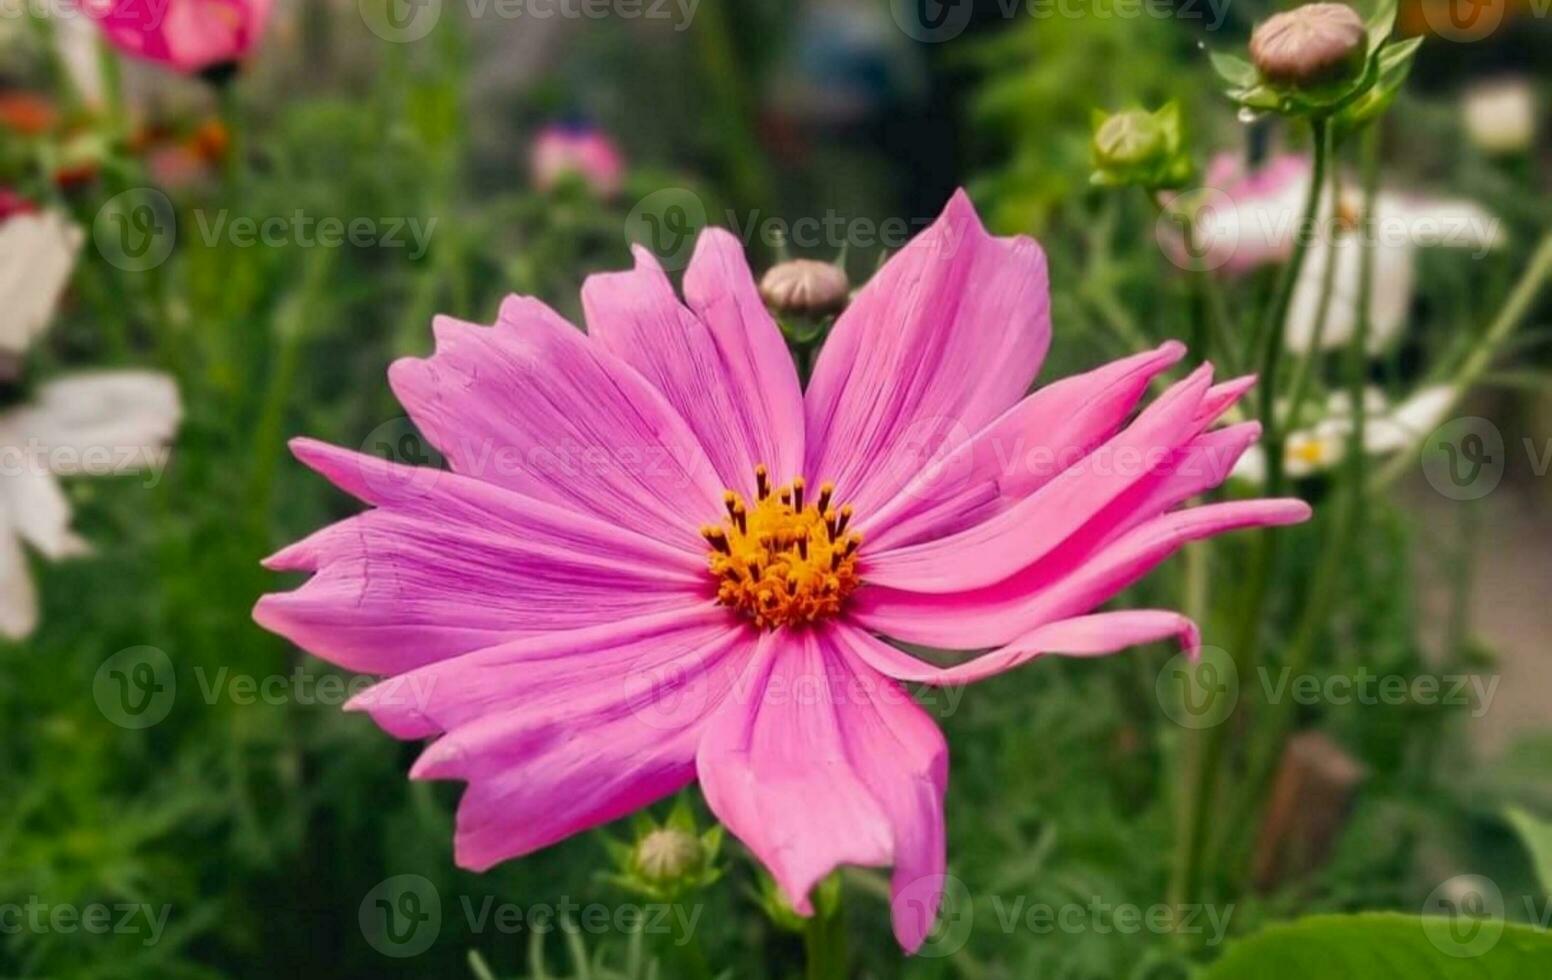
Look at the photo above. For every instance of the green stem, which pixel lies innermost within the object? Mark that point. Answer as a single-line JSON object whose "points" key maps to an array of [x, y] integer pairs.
{"points": [[1509, 318], [1198, 810], [731, 104], [824, 943], [232, 118], [1298, 387], [1212, 337], [1276, 321]]}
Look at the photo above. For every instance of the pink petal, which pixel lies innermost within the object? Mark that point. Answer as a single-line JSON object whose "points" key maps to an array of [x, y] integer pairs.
{"points": [[1069, 582], [1082, 636], [744, 406], [1017, 537], [187, 35], [535, 406], [448, 564], [562, 733], [1018, 453], [945, 338], [775, 768], [720, 289], [901, 756]]}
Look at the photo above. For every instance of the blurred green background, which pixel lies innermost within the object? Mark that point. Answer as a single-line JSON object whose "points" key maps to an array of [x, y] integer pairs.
{"points": [[265, 821]]}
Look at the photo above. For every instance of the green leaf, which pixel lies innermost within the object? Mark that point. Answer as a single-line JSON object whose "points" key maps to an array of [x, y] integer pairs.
{"points": [[1382, 945], [1234, 70], [1536, 835], [1381, 23]]}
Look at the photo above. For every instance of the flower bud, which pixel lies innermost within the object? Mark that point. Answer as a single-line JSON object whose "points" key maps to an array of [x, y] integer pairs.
{"points": [[1140, 148], [1310, 45], [805, 287], [1130, 139], [668, 854]]}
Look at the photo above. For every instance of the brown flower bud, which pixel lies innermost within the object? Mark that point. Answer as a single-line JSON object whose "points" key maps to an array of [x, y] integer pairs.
{"points": [[805, 286], [1310, 45]]}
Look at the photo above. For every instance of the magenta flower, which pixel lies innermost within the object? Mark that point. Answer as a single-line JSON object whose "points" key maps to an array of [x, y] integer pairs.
{"points": [[657, 559], [577, 149], [189, 36]]}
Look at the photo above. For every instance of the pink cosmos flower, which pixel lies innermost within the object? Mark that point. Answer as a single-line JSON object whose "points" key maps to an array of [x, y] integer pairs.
{"points": [[657, 559], [580, 149], [189, 36]]}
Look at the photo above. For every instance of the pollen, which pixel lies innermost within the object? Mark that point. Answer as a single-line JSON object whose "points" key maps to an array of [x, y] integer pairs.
{"points": [[788, 558]]}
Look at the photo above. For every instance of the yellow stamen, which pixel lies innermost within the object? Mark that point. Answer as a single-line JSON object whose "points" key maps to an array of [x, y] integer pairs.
{"points": [[783, 562]]}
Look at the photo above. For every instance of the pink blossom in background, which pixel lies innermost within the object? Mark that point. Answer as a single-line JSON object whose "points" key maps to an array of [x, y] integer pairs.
{"points": [[1251, 216], [658, 560], [189, 36], [580, 149], [12, 203]]}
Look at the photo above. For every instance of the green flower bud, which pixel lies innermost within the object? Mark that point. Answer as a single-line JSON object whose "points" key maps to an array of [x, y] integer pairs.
{"points": [[1130, 139], [667, 854], [1140, 148]]}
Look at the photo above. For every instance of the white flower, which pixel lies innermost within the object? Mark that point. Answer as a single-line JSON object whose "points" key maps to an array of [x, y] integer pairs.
{"points": [[37, 255], [1252, 219], [1500, 115], [1323, 444], [1401, 225], [95, 424]]}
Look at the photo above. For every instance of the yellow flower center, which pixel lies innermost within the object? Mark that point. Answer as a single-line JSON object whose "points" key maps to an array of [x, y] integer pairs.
{"points": [[786, 561]]}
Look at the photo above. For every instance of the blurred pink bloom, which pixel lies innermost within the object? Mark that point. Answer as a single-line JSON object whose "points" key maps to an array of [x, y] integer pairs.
{"points": [[1250, 217], [580, 149], [624, 585], [189, 36]]}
